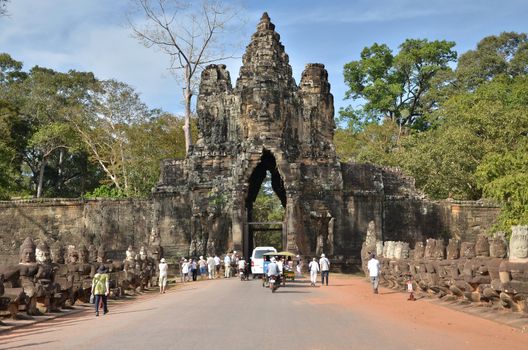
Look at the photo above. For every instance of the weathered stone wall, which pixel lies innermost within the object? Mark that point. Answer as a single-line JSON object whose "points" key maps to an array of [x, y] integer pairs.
{"points": [[464, 220], [114, 223]]}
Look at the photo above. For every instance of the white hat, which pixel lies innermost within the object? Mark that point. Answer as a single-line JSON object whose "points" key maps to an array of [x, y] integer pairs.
{"points": [[272, 259], [201, 256], [322, 255], [162, 260]]}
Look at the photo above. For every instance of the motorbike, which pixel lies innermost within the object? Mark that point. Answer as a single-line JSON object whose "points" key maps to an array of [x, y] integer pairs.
{"points": [[274, 283], [243, 275]]}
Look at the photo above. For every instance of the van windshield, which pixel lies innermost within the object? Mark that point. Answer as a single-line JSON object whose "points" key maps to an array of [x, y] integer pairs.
{"points": [[259, 253]]}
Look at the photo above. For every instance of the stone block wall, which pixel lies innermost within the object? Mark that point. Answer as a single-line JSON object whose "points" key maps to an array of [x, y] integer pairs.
{"points": [[114, 223]]}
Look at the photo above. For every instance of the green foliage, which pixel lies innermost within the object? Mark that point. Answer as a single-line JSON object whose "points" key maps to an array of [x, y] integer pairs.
{"points": [[395, 86], [469, 139], [504, 177], [63, 133], [505, 54], [105, 191]]}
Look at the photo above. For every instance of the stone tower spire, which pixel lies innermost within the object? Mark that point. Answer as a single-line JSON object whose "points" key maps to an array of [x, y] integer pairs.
{"points": [[265, 58]]}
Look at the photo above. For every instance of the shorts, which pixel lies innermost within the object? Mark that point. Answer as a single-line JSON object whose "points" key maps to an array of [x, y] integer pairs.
{"points": [[203, 270], [163, 281]]}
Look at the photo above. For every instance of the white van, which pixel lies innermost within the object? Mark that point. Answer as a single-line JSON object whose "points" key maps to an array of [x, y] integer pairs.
{"points": [[257, 260]]}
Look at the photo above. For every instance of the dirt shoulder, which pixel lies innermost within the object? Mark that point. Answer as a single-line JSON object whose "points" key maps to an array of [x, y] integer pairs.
{"points": [[480, 326]]}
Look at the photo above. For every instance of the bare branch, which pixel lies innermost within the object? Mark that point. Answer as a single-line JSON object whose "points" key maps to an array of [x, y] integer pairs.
{"points": [[186, 32]]}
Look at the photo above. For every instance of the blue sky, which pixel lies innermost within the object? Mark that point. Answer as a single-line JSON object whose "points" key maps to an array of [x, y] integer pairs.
{"points": [[91, 35]]}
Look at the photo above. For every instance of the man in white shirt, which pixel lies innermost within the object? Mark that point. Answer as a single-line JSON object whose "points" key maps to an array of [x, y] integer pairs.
{"points": [[314, 271], [217, 266], [373, 266], [280, 265], [163, 268], [211, 266], [227, 265], [324, 264]]}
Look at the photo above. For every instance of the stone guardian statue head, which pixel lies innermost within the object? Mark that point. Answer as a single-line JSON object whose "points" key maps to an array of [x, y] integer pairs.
{"points": [[42, 253], [519, 244], [27, 252]]}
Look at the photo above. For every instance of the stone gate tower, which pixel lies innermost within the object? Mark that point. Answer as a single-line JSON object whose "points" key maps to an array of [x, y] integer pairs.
{"points": [[267, 122]]}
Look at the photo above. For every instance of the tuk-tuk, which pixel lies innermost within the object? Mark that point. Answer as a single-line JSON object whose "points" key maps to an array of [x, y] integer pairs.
{"points": [[287, 269]]}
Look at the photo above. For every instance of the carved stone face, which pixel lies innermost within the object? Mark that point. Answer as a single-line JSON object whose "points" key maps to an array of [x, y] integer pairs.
{"points": [[467, 250], [73, 258], [519, 243], [142, 253], [84, 256], [130, 254], [27, 256], [57, 254], [42, 255]]}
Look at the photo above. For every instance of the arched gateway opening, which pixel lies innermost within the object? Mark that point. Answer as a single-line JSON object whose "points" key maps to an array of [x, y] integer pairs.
{"points": [[262, 229]]}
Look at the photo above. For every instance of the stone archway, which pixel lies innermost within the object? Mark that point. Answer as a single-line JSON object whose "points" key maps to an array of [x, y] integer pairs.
{"points": [[266, 164]]}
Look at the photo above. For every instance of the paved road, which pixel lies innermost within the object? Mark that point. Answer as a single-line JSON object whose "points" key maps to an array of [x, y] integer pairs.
{"points": [[230, 314]]}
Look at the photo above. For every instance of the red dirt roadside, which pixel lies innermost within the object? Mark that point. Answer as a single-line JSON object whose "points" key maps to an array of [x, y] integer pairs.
{"points": [[355, 293]]}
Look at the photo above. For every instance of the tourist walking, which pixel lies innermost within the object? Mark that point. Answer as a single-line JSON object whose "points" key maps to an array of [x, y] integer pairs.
{"points": [[373, 266], [298, 268], [227, 265], [202, 266], [194, 269], [211, 267], [217, 265], [185, 270], [163, 269], [314, 271], [101, 289], [324, 265]]}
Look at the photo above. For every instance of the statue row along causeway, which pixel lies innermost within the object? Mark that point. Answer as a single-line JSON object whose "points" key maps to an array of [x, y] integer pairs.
{"points": [[48, 278], [488, 272]]}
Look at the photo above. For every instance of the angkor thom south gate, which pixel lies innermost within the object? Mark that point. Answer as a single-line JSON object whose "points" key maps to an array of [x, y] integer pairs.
{"points": [[204, 203], [267, 122]]}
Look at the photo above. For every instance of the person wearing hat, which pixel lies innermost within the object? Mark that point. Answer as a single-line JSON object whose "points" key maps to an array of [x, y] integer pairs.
{"points": [[324, 264], [163, 268], [314, 271], [101, 289], [185, 268]]}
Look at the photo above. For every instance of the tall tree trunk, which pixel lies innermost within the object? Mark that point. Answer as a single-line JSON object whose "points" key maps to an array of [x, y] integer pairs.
{"points": [[61, 180], [41, 177], [188, 98]]}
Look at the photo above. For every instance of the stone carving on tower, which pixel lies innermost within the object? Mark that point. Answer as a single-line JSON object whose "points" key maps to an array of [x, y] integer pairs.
{"points": [[265, 123]]}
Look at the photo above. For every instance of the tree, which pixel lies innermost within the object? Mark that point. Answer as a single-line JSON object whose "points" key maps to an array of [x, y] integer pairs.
{"points": [[147, 152], [394, 87], [503, 177], [3, 7], [505, 54], [103, 128], [470, 127], [46, 100], [188, 33]]}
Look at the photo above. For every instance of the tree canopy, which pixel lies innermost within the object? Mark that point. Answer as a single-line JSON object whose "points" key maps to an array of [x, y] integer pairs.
{"points": [[468, 136], [70, 135]]}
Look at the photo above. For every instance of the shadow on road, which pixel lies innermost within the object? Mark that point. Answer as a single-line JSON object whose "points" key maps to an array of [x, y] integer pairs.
{"points": [[128, 312], [25, 346]]}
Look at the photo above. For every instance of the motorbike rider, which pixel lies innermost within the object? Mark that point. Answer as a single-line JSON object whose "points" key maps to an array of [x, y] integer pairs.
{"points": [[273, 269], [242, 265]]}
